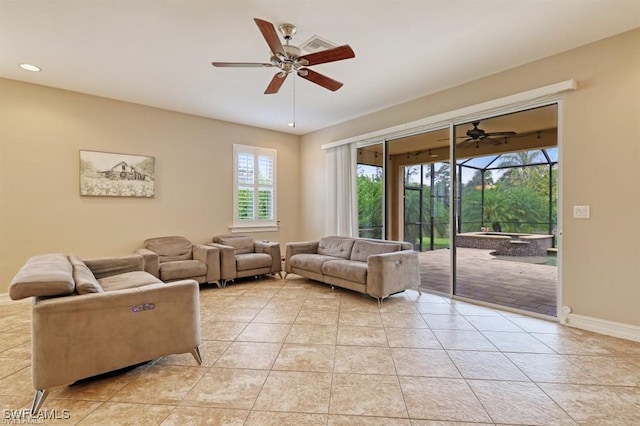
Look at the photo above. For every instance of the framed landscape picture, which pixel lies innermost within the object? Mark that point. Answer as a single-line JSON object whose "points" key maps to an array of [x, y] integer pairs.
{"points": [[105, 174]]}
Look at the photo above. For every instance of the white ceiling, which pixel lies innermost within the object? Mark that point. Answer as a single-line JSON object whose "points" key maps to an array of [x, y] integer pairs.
{"points": [[159, 52]]}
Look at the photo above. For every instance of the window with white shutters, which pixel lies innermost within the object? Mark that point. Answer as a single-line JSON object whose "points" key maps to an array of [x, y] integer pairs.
{"points": [[254, 195]]}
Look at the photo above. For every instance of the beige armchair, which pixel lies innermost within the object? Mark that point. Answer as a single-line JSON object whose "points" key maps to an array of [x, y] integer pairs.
{"points": [[242, 256], [99, 315], [176, 258]]}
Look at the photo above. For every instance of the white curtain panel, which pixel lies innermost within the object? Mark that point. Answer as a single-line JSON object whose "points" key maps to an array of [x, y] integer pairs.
{"points": [[342, 202]]}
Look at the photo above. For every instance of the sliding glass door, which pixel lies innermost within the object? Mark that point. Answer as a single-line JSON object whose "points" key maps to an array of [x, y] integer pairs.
{"points": [[506, 210], [485, 222], [419, 181]]}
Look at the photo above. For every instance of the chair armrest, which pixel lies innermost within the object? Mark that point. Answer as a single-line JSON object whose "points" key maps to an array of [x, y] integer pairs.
{"points": [[227, 260], [272, 248], [81, 336], [302, 247], [390, 273], [108, 266], [211, 257], [151, 261], [292, 249]]}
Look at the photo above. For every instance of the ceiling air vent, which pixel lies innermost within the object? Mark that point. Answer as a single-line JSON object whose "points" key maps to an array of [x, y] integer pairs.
{"points": [[316, 44]]}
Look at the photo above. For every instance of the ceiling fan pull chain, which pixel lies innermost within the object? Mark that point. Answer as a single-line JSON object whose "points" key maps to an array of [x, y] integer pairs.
{"points": [[293, 123], [294, 102]]}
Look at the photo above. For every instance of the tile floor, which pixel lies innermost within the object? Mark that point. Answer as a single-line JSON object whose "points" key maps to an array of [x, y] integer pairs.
{"points": [[293, 352]]}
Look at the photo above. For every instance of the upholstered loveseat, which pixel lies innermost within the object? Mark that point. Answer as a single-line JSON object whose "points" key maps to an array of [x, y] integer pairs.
{"points": [[99, 315], [378, 268]]}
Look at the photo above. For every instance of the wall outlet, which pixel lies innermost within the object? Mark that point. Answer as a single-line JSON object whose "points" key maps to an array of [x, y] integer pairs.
{"points": [[581, 212]]}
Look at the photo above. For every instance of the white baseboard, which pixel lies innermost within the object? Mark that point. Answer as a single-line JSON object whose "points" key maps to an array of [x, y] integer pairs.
{"points": [[609, 328]]}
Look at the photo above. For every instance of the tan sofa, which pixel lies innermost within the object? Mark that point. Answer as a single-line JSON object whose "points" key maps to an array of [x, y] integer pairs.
{"points": [[242, 256], [378, 268], [99, 315], [176, 258]]}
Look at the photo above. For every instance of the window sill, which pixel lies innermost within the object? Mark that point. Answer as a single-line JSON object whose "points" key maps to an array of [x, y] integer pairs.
{"points": [[253, 228]]}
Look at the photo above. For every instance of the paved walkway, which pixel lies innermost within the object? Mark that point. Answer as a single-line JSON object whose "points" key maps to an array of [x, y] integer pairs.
{"points": [[480, 276]]}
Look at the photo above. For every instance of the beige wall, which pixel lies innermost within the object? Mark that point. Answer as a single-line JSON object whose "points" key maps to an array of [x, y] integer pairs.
{"points": [[600, 166], [41, 132]]}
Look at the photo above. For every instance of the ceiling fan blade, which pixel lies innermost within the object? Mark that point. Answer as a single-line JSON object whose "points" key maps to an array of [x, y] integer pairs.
{"points": [[319, 79], [492, 141], [275, 83], [330, 55], [501, 134], [242, 64], [457, 137], [271, 36], [466, 143]]}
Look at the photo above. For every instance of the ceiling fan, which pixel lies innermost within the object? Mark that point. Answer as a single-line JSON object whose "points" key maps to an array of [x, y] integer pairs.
{"points": [[287, 58], [477, 136]]}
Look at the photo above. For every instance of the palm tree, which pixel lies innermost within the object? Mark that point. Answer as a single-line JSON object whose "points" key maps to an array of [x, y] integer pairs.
{"points": [[518, 162]]}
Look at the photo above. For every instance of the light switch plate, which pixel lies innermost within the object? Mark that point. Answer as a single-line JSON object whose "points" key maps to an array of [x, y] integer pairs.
{"points": [[581, 212]]}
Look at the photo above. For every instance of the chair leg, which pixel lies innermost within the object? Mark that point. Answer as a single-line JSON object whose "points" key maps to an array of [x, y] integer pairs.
{"points": [[196, 354], [38, 399]]}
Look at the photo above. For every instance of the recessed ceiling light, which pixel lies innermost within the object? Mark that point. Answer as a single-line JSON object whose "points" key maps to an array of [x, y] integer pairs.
{"points": [[30, 67]]}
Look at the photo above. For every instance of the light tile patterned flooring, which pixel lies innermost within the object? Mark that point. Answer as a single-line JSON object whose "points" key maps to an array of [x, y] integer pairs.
{"points": [[295, 352]]}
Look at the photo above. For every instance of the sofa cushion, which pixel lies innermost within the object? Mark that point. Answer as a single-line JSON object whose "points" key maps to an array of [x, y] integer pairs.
{"points": [[350, 270], [309, 261], [85, 281], [336, 246], [49, 257], [362, 249], [170, 249], [182, 269], [113, 265], [128, 280], [43, 275], [245, 262], [243, 245]]}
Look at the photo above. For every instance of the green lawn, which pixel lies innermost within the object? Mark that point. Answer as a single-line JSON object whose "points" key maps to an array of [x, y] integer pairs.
{"points": [[438, 243]]}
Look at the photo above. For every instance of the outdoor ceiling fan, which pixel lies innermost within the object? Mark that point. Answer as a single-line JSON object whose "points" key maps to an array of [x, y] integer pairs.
{"points": [[287, 58], [477, 136]]}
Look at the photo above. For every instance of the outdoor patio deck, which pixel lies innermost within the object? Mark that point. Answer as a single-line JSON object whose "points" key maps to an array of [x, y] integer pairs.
{"points": [[481, 276]]}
